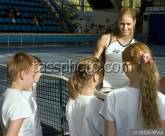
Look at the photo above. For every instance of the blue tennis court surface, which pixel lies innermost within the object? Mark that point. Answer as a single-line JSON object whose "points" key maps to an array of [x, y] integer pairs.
{"points": [[70, 54]]}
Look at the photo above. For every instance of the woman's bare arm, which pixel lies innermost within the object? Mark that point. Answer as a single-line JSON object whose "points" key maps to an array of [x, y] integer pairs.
{"points": [[102, 43]]}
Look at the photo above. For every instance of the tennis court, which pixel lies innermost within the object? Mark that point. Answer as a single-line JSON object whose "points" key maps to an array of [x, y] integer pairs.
{"points": [[52, 92]]}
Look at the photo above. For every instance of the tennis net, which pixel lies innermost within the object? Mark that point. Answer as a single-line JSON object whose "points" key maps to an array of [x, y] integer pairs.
{"points": [[52, 97]]}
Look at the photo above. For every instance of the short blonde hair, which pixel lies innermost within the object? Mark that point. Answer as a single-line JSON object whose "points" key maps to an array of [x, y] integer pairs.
{"points": [[18, 62], [128, 10]]}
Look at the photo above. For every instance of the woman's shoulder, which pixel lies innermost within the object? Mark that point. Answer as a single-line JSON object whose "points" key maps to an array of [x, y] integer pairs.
{"points": [[108, 38]]}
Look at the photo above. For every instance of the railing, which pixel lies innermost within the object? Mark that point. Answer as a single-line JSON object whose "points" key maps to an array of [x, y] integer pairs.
{"points": [[62, 16], [45, 39], [156, 9], [8, 39]]}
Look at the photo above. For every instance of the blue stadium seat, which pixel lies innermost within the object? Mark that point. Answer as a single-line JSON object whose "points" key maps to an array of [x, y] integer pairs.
{"points": [[27, 9]]}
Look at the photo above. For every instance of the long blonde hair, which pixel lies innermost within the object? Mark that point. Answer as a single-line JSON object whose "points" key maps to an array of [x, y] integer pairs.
{"points": [[128, 10], [140, 55], [83, 73]]}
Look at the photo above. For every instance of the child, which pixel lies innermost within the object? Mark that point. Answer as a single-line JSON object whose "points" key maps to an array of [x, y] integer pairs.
{"points": [[32, 98], [82, 110], [16, 111], [139, 105]]}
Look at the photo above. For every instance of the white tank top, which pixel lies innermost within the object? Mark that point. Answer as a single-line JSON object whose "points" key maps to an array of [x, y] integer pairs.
{"points": [[114, 76]]}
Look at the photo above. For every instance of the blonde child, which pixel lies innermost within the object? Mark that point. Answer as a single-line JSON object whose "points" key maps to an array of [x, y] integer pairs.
{"points": [[17, 114], [139, 105], [31, 96], [82, 110]]}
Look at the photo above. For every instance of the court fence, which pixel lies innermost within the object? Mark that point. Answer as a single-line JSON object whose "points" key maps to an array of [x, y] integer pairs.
{"points": [[34, 40]]}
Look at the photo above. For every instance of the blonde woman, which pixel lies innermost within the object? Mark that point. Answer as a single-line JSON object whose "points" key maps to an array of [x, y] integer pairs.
{"points": [[111, 46]]}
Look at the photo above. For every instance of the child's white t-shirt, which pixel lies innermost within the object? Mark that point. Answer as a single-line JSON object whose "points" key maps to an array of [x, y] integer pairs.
{"points": [[31, 98], [83, 116], [121, 107], [14, 105]]}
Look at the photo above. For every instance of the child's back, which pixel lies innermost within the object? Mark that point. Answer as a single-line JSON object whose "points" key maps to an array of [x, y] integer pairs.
{"points": [[84, 109], [139, 105], [122, 107]]}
